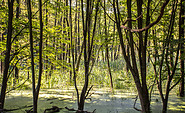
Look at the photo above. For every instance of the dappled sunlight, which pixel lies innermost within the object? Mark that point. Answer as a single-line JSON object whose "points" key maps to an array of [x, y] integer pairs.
{"points": [[101, 99]]}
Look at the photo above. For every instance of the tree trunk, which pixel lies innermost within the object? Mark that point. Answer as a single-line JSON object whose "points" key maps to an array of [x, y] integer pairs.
{"points": [[88, 46], [40, 53], [165, 102], [107, 49], [32, 55], [16, 68], [140, 79], [181, 35], [7, 54], [2, 63]]}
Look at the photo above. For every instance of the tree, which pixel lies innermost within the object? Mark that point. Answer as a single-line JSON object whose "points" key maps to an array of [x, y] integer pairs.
{"points": [[32, 55], [40, 52], [181, 35], [34, 88], [107, 49], [87, 47], [139, 78], [166, 60], [139, 75], [7, 54], [17, 17]]}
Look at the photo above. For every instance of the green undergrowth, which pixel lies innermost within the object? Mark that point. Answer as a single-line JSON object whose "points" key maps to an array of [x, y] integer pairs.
{"points": [[61, 78], [99, 76]]}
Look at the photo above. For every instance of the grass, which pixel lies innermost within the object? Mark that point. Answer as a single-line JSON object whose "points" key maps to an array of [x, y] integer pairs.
{"points": [[122, 80], [99, 77]]}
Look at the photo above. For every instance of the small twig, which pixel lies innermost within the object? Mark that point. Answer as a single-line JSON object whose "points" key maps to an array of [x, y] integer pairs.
{"points": [[70, 109], [79, 111], [51, 99], [29, 111], [107, 13], [18, 86], [88, 91], [134, 106], [129, 19], [53, 109]]}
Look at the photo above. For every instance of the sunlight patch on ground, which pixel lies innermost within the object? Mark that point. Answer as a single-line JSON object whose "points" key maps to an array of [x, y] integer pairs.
{"points": [[102, 100]]}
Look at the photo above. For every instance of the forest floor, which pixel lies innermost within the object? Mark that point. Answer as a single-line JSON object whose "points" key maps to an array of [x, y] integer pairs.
{"points": [[101, 100]]}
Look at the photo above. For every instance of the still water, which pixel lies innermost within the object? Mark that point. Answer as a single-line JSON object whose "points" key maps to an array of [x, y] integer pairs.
{"points": [[101, 100]]}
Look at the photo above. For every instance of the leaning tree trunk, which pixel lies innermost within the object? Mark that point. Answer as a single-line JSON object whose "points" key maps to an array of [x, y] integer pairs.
{"points": [[7, 54]]}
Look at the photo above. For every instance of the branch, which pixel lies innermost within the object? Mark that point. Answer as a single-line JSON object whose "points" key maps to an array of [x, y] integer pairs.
{"points": [[26, 24], [107, 13], [175, 83], [88, 91], [79, 111], [129, 19], [18, 86], [134, 106], [151, 24], [53, 109]]}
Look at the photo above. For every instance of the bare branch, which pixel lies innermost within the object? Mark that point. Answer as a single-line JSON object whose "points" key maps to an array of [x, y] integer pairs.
{"points": [[88, 91], [151, 24], [129, 19], [107, 13], [134, 106]]}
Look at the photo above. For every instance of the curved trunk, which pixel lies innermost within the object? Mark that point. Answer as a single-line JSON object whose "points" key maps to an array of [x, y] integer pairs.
{"points": [[7, 54]]}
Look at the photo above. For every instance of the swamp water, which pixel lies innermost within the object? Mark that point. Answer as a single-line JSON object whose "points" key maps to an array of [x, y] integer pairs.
{"points": [[101, 99]]}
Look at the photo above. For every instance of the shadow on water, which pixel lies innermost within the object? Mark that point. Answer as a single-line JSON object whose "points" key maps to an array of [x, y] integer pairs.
{"points": [[101, 100]]}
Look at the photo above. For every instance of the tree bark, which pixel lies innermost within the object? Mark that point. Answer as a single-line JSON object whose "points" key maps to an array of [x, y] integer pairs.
{"points": [[40, 53], [140, 79], [88, 46], [16, 68], [165, 58], [7, 54], [32, 55], [181, 35], [107, 49]]}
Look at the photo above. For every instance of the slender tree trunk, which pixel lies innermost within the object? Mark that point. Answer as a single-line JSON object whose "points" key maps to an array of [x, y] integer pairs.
{"points": [[79, 30], [46, 45], [7, 54], [40, 53], [76, 34], [86, 63], [165, 102], [32, 55], [128, 54], [140, 79], [169, 66], [107, 49], [3, 38], [87, 50], [16, 68], [181, 35]]}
